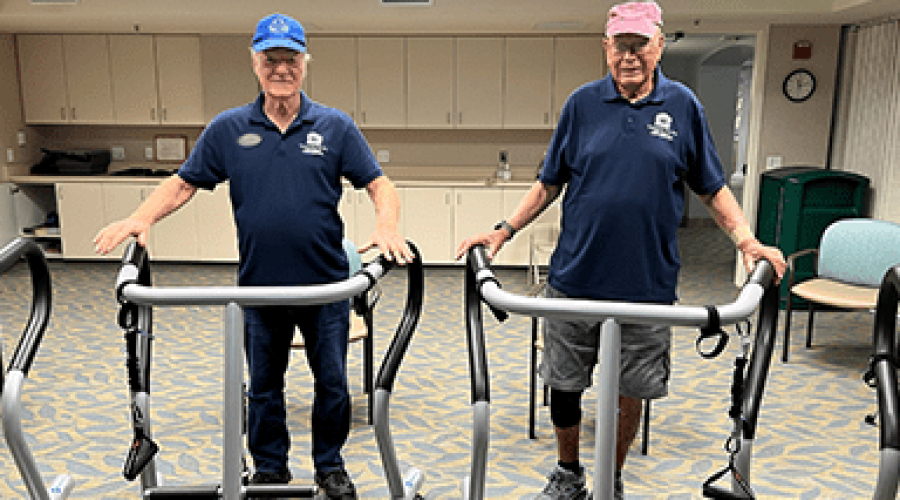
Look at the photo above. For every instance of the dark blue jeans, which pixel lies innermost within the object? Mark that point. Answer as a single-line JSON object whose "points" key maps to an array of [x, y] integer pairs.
{"points": [[269, 332]]}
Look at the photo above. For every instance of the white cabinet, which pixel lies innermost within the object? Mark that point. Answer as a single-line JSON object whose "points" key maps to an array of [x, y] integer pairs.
{"points": [[133, 69], [430, 87], [42, 73], [119, 201], [382, 85], [88, 79], [529, 76], [579, 60], [515, 251], [332, 72], [477, 211], [180, 87], [215, 225], [80, 208], [225, 58], [175, 237], [429, 222], [479, 82], [65, 79], [360, 219]]}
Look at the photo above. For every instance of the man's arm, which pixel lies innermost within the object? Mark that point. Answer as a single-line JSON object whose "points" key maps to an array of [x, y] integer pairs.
{"points": [[729, 216], [387, 235], [171, 194], [533, 203]]}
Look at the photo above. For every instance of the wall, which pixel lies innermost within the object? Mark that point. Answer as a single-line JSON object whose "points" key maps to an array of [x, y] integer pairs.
{"points": [[11, 108], [799, 132]]}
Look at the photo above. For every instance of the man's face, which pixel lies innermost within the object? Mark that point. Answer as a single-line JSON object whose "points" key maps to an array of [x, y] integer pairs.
{"points": [[632, 59], [280, 71]]}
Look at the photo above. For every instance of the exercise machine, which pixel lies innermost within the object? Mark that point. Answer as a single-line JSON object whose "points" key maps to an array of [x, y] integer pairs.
{"points": [[481, 285], [882, 375], [137, 297], [20, 365]]}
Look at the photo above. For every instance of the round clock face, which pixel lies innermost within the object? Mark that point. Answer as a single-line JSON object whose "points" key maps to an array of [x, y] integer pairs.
{"points": [[799, 85]]}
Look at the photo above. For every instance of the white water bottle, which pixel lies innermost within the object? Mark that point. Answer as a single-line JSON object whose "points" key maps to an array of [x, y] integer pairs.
{"points": [[412, 482]]}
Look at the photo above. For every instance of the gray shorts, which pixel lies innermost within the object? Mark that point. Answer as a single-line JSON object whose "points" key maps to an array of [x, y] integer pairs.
{"points": [[570, 354]]}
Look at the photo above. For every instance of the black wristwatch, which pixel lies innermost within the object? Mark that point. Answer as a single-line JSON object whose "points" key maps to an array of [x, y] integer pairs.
{"points": [[506, 225]]}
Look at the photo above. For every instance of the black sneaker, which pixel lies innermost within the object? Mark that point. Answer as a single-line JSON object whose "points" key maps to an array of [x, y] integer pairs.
{"points": [[266, 477], [336, 484]]}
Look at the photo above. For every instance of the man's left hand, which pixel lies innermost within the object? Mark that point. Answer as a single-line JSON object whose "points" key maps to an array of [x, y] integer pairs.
{"points": [[752, 250], [391, 245]]}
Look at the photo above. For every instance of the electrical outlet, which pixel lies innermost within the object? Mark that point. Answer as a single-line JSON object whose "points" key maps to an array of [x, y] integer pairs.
{"points": [[21, 137], [383, 155], [10, 155], [148, 153], [118, 153], [504, 156]]}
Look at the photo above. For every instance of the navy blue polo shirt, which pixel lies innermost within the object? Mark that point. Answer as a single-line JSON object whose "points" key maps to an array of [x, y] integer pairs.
{"points": [[285, 188], [623, 165]]}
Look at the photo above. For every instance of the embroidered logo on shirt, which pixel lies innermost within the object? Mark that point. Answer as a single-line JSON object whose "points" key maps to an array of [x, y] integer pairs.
{"points": [[249, 140], [662, 127], [314, 144]]}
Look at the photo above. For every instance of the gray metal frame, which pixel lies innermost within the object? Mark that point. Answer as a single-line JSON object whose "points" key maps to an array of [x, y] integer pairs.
{"points": [[233, 298], [611, 314], [20, 365]]}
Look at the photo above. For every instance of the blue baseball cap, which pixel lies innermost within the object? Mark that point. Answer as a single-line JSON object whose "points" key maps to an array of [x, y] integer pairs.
{"points": [[279, 30]]}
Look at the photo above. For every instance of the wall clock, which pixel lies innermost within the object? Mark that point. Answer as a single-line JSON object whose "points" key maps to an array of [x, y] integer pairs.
{"points": [[799, 85]]}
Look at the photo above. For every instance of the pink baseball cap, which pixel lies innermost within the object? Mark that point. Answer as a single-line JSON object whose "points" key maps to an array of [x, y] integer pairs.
{"points": [[640, 18]]}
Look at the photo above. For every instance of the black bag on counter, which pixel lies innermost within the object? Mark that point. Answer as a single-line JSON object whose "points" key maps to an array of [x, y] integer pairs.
{"points": [[94, 162]]}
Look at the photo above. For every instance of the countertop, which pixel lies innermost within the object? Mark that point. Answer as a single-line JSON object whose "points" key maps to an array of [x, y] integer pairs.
{"points": [[127, 179]]}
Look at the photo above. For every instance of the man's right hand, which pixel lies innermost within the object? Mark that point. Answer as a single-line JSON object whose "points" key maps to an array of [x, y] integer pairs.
{"points": [[114, 234]]}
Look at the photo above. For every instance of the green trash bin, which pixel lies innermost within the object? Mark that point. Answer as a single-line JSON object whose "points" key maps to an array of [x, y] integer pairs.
{"points": [[796, 204]]}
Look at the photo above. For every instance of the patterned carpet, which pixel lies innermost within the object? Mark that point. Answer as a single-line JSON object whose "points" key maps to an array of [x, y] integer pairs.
{"points": [[812, 441]]}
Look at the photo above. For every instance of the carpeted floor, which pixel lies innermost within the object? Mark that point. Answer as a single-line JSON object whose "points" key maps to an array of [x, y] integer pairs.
{"points": [[812, 441]]}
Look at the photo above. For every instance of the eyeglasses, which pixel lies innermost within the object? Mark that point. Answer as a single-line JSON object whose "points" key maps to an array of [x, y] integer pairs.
{"points": [[635, 46], [275, 60]]}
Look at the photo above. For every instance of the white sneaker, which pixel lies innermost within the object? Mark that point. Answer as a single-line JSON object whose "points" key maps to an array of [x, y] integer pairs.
{"points": [[563, 484]]}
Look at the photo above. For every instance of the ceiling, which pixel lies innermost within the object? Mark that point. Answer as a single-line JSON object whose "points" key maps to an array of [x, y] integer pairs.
{"points": [[703, 21]]}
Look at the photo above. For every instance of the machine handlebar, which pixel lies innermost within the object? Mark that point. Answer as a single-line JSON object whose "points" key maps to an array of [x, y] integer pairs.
{"points": [[676, 315], [132, 285], [41, 300]]}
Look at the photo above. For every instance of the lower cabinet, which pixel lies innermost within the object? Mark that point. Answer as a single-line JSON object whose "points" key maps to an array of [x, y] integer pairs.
{"points": [[429, 223], [216, 230], [201, 230], [81, 216], [435, 218]]}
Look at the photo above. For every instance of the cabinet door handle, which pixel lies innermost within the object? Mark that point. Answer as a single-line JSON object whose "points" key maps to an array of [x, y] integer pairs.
{"points": [[73, 113], [364, 117], [546, 118], [152, 114], [446, 198], [165, 114], [448, 118], [62, 113], [460, 118], [459, 198]]}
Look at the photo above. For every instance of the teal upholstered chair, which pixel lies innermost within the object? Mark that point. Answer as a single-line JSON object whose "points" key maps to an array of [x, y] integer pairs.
{"points": [[852, 258]]}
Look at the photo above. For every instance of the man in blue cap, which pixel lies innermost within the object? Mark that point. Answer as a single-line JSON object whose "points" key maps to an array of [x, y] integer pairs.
{"points": [[284, 156]]}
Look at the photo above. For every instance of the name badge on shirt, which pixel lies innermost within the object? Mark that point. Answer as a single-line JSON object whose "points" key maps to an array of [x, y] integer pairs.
{"points": [[249, 140]]}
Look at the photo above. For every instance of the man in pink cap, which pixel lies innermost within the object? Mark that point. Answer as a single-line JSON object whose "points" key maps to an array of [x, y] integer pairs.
{"points": [[625, 148]]}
